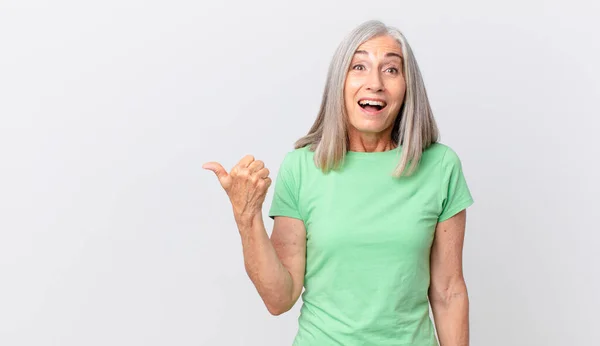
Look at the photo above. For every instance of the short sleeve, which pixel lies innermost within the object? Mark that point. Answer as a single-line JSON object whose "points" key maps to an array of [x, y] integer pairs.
{"points": [[454, 190], [285, 198]]}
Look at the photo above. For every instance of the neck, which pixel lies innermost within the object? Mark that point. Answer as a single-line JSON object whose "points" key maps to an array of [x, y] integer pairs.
{"points": [[370, 142], [372, 146]]}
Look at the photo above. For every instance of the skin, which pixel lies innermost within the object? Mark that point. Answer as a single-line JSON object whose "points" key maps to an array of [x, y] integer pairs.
{"points": [[447, 291], [276, 265], [375, 72]]}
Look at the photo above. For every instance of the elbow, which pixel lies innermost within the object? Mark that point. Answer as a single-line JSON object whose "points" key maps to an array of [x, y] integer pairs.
{"points": [[279, 306], [446, 296], [280, 303], [277, 310]]}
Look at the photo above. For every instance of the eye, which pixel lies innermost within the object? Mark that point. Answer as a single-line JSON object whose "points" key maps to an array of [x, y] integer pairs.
{"points": [[358, 67], [392, 70]]}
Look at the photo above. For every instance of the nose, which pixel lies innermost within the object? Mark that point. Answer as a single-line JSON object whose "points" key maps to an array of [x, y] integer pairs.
{"points": [[374, 82]]}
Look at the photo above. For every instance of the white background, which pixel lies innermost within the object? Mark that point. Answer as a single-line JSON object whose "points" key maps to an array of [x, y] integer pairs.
{"points": [[112, 234]]}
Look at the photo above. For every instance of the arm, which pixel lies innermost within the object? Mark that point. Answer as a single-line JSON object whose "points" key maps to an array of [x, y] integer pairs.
{"points": [[448, 291], [276, 265]]}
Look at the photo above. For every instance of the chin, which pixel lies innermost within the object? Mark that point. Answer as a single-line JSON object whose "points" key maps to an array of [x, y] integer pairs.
{"points": [[370, 125], [369, 128]]}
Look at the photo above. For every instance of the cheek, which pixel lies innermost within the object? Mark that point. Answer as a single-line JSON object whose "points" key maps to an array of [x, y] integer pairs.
{"points": [[398, 92], [350, 90], [352, 85], [354, 82]]}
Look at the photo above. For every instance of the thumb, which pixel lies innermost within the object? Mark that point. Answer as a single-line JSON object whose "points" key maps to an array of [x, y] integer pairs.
{"points": [[220, 172], [216, 167]]}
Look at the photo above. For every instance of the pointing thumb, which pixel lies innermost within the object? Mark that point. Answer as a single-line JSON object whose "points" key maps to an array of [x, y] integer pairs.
{"points": [[216, 168]]}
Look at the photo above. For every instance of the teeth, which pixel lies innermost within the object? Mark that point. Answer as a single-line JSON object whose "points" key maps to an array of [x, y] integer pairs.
{"points": [[372, 103]]}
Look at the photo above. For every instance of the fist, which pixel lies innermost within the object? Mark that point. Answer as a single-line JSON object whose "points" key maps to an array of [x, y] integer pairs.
{"points": [[246, 185]]}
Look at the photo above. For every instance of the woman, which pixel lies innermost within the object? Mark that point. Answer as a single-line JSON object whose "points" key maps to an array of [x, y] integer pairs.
{"points": [[368, 209]]}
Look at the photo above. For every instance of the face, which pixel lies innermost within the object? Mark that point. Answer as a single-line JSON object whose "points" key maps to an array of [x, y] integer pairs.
{"points": [[374, 88]]}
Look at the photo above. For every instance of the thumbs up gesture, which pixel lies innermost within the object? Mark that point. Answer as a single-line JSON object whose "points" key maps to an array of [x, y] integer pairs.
{"points": [[246, 185]]}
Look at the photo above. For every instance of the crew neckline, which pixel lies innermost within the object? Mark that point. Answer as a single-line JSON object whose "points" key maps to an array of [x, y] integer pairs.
{"points": [[350, 153]]}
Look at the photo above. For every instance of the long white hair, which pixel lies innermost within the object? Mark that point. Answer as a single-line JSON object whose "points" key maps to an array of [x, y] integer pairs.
{"points": [[414, 129]]}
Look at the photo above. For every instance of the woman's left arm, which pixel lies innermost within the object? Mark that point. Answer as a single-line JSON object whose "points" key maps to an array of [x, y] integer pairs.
{"points": [[448, 291]]}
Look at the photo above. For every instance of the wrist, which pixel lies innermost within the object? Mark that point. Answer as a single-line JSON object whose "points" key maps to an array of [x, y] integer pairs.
{"points": [[246, 221]]}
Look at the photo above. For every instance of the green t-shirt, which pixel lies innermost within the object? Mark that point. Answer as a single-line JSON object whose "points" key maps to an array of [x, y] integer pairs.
{"points": [[368, 241]]}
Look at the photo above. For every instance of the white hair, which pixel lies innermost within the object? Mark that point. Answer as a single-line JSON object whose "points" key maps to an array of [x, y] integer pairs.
{"points": [[414, 128]]}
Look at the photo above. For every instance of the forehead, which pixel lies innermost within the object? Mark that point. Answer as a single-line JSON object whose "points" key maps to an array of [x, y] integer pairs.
{"points": [[381, 45]]}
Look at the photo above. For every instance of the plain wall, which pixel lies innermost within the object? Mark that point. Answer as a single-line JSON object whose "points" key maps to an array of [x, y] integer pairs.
{"points": [[112, 234]]}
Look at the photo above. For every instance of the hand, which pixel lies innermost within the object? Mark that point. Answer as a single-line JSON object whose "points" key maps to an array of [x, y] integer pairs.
{"points": [[246, 185]]}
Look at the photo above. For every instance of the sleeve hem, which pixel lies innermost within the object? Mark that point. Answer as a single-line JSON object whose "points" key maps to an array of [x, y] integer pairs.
{"points": [[459, 207], [285, 212]]}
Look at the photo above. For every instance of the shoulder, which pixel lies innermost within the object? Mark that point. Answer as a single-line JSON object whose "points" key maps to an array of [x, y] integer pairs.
{"points": [[297, 158], [438, 153], [301, 152]]}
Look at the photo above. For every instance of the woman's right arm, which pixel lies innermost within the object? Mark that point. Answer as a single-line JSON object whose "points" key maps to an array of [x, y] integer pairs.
{"points": [[276, 265]]}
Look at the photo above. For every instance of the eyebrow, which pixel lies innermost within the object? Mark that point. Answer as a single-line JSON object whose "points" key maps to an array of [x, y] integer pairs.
{"points": [[387, 55]]}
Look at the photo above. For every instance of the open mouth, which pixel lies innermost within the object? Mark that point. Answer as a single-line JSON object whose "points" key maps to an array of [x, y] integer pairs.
{"points": [[372, 105]]}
